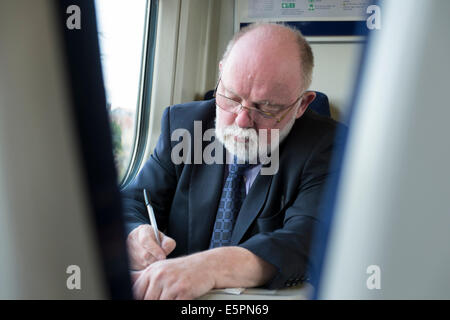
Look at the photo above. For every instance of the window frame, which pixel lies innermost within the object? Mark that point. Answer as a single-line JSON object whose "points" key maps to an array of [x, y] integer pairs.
{"points": [[145, 94]]}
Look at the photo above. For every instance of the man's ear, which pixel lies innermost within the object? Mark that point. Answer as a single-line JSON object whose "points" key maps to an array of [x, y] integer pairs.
{"points": [[308, 97]]}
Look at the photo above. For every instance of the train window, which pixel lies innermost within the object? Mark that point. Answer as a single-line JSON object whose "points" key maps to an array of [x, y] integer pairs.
{"points": [[122, 32]]}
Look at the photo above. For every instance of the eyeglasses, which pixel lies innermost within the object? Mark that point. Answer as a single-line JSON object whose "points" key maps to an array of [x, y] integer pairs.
{"points": [[264, 113]]}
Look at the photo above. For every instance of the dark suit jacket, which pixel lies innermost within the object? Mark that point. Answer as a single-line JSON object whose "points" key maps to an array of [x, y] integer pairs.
{"points": [[278, 215]]}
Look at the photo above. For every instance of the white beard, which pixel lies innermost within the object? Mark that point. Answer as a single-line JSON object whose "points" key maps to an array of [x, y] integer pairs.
{"points": [[255, 147]]}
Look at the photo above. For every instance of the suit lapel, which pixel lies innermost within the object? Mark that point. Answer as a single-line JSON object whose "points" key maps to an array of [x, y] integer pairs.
{"points": [[251, 207]]}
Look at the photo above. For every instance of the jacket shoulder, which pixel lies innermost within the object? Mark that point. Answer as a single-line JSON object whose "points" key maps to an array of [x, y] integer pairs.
{"points": [[312, 128], [183, 115]]}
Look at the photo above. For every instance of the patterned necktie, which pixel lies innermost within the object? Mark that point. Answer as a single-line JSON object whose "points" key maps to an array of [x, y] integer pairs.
{"points": [[233, 194]]}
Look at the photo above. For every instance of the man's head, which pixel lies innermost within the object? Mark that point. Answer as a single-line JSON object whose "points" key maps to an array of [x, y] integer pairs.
{"points": [[304, 50], [267, 69]]}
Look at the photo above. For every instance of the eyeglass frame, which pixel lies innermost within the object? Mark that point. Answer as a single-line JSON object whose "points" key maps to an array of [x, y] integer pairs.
{"points": [[266, 114]]}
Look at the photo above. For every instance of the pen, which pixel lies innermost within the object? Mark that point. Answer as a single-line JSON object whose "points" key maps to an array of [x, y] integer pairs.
{"points": [[151, 215]]}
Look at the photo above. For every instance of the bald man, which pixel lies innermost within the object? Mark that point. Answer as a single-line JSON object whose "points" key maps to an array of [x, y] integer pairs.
{"points": [[248, 220]]}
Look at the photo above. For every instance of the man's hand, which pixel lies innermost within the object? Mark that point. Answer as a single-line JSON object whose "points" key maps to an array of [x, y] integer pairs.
{"points": [[143, 248], [180, 278], [191, 276]]}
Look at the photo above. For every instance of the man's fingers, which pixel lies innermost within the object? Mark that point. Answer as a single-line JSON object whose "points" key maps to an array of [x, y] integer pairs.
{"points": [[144, 249], [136, 255], [134, 275], [147, 240], [153, 291], [156, 251], [167, 243], [134, 265], [140, 286]]}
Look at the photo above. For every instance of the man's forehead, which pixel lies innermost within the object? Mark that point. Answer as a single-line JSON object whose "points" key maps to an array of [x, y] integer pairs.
{"points": [[267, 37], [233, 84], [267, 54], [240, 76]]}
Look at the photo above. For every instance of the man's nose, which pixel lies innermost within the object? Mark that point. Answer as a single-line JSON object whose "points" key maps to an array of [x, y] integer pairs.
{"points": [[244, 119]]}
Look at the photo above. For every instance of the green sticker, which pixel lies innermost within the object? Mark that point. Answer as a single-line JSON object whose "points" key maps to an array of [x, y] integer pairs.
{"points": [[287, 5]]}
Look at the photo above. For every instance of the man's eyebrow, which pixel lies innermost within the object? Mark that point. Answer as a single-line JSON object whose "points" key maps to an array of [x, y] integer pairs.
{"points": [[269, 103], [260, 102], [229, 90]]}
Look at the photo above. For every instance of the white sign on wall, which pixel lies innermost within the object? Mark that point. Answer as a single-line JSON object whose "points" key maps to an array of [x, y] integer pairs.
{"points": [[319, 20], [300, 9]]}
